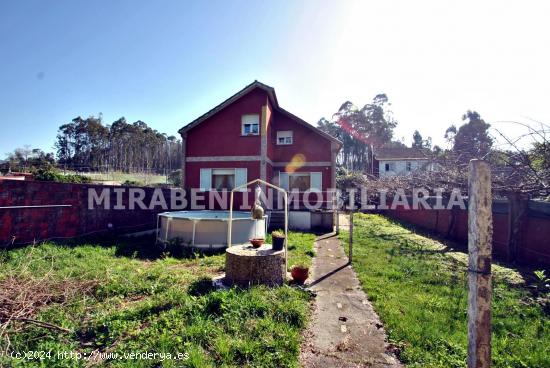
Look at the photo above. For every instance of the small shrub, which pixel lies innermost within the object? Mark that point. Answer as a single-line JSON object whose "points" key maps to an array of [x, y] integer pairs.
{"points": [[178, 249], [132, 183], [174, 178], [50, 174], [542, 282], [201, 286]]}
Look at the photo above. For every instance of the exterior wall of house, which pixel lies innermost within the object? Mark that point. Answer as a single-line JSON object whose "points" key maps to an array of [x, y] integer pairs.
{"points": [[220, 135], [193, 170], [307, 147], [399, 167], [306, 142], [217, 143], [270, 123], [253, 172], [324, 170], [269, 169], [326, 180]]}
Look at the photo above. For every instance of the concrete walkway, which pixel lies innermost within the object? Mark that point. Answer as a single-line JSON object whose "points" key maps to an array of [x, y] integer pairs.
{"points": [[345, 331]]}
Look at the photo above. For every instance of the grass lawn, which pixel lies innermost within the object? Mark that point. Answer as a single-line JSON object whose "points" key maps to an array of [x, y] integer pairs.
{"points": [[123, 298], [300, 248], [121, 177], [419, 289]]}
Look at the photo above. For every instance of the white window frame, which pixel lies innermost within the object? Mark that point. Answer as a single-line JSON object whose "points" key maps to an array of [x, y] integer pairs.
{"points": [[222, 171], [287, 136], [250, 119], [206, 176], [315, 180]]}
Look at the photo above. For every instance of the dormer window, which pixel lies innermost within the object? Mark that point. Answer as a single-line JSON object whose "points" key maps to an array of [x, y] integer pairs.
{"points": [[250, 125], [284, 137]]}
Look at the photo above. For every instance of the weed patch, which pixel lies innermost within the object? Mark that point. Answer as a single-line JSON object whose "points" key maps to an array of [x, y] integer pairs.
{"points": [[123, 297]]}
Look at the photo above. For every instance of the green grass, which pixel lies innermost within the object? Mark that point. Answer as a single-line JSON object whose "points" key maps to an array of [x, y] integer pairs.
{"points": [[121, 177], [419, 289], [160, 305], [300, 248]]}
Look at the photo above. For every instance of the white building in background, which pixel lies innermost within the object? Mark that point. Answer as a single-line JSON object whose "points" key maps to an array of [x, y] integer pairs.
{"points": [[400, 161]]}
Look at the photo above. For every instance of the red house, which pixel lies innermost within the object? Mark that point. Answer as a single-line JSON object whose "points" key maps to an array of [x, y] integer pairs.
{"points": [[250, 136]]}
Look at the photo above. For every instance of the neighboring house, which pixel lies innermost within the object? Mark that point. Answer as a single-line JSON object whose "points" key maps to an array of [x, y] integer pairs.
{"points": [[400, 161], [249, 136]]}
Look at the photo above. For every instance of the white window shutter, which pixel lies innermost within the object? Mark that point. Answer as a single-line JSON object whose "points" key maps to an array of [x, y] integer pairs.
{"points": [[316, 179], [241, 177], [283, 180], [206, 179]]}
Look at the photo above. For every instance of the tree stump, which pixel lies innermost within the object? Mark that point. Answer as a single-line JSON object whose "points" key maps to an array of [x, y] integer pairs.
{"points": [[245, 266]]}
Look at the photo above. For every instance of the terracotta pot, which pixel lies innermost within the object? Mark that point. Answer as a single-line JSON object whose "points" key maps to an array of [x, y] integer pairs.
{"points": [[256, 243], [299, 274]]}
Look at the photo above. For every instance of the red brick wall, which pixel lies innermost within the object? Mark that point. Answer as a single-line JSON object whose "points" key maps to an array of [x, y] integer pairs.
{"points": [[535, 243], [35, 224]]}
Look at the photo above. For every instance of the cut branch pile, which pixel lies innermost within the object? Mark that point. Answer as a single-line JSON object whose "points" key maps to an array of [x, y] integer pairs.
{"points": [[21, 298]]}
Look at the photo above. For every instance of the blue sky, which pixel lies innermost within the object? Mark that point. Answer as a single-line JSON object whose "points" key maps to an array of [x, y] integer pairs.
{"points": [[168, 62]]}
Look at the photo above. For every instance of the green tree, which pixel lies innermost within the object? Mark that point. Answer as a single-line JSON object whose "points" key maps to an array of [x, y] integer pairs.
{"points": [[25, 159], [472, 139], [418, 142], [87, 144], [361, 130]]}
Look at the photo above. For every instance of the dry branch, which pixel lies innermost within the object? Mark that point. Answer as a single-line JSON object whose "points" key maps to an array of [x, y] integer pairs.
{"points": [[22, 296]]}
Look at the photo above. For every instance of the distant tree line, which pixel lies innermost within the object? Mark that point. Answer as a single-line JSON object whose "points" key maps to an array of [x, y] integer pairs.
{"points": [[516, 168], [26, 158], [89, 145]]}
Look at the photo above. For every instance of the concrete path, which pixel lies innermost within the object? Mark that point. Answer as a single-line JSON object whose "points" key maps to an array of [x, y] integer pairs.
{"points": [[344, 331]]}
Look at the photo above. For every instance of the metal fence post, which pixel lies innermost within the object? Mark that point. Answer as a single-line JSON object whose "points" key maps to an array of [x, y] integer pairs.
{"points": [[350, 236], [337, 222]]}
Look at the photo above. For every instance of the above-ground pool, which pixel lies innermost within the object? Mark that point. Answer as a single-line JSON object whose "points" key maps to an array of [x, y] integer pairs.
{"points": [[208, 229]]}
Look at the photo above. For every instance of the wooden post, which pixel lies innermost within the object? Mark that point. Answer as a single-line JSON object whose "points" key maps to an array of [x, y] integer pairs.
{"points": [[350, 236], [480, 233]]}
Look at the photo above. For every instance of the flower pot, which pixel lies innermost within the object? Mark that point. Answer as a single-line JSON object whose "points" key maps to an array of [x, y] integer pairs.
{"points": [[256, 243], [299, 274], [278, 242]]}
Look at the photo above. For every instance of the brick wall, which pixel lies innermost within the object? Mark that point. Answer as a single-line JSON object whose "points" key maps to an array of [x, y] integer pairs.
{"points": [[453, 224], [26, 225]]}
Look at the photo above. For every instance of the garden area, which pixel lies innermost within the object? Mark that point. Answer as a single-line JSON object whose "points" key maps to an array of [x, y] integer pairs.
{"points": [[95, 304], [418, 286]]}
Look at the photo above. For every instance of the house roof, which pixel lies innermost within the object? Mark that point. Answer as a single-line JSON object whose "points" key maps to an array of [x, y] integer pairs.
{"points": [[272, 97], [399, 153]]}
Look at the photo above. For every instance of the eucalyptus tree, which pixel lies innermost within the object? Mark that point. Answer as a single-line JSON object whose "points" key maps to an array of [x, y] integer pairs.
{"points": [[361, 130]]}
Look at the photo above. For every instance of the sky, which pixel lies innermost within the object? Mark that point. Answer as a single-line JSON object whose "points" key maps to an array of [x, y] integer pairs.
{"points": [[168, 62]]}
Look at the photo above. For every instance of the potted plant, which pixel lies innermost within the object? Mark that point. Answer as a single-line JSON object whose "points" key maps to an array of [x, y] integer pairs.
{"points": [[278, 239], [257, 242], [299, 273]]}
